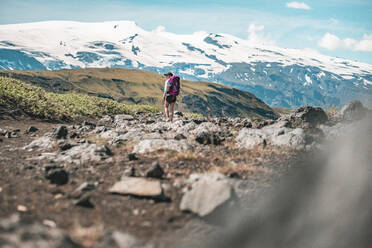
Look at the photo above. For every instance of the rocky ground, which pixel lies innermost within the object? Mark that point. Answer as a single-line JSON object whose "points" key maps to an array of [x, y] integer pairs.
{"points": [[137, 181]]}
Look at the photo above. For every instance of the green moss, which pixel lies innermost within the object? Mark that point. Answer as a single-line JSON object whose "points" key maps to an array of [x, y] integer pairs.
{"points": [[46, 105], [193, 115]]}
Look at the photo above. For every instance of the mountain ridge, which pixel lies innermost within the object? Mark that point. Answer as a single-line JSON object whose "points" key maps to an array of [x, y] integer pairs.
{"points": [[279, 76], [143, 87]]}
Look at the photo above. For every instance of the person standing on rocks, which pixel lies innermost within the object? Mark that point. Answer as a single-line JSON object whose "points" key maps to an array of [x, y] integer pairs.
{"points": [[171, 91]]}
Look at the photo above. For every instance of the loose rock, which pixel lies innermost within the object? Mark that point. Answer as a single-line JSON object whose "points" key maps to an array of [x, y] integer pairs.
{"points": [[151, 145], [31, 129], [137, 186], [155, 171], [207, 193], [57, 176], [59, 132], [84, 201], [118, 239]]}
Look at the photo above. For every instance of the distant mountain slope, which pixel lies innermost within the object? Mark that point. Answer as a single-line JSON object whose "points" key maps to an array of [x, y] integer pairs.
{"points": [[278, 76], [143, 87]]}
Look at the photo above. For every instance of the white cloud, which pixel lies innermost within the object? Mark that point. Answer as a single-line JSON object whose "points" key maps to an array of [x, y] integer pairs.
{"points": [[365, 44], [297, 5], [257, 36], [332, 42]]}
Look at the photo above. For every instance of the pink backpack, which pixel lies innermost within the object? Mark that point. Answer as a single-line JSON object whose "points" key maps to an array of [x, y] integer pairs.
{"points": [[174, 89]]}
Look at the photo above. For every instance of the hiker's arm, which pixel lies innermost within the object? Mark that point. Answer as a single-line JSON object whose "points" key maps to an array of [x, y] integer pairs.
{"points": [[166, 88]]}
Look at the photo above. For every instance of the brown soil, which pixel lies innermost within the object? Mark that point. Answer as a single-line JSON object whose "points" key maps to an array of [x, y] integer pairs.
{"points": [[158, 220]]}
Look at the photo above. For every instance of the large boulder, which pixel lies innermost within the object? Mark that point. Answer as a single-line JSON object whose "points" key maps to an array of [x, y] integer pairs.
{"points": [[307, 116], [208, 192], [43, 143], [277, 134], [353, 111], [59, 132], [79, 154], [151, 145], [207, 133], [249, 138]]}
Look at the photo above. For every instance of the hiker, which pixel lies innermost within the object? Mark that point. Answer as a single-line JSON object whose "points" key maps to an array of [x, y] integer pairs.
{"points": [[171, 91]]}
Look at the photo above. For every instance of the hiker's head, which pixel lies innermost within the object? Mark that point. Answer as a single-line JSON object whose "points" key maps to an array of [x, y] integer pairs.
{"points": [[168, 74]]}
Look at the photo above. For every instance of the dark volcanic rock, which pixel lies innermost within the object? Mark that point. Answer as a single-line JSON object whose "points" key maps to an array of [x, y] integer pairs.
{"points": [[155, 171], [208, 138], [84, 201], [64, 145], [31, 129], [308, 116], [60, 132], [132, 156], [57, 176], [179, 136]]}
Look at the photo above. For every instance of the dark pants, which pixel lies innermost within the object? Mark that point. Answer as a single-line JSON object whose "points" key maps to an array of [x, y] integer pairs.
{"points": [[171, 99]]}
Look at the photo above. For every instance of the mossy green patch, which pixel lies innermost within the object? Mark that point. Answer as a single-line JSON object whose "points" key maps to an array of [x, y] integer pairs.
{"points": [[36, 102]]}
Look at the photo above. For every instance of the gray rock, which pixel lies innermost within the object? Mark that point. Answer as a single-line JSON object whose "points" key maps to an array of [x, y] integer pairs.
{"points": [[3, 132], [207, 133], [137, 186], [59, 132], [249, 138], [151, 145], [106, 120], [42, 144], [109, 134], [289, 137], [208, 191], [276, 135], [307, 116], [353, 111], [120, 120], [17, 233], [84, 187], [118, 239], [83, 153], [100, 129]]}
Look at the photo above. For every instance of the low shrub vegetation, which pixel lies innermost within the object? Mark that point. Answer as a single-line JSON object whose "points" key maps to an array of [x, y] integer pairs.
{"points": [[36, 102]]}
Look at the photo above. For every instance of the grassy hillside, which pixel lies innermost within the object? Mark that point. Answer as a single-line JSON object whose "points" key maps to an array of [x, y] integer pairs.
{"points": [[36, 102], [143, 87]]}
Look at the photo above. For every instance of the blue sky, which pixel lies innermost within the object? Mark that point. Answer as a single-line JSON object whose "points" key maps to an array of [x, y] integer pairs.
{"points": [[341, 28]]}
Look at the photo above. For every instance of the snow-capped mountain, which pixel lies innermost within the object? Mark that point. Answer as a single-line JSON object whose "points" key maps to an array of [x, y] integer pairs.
{"points": [[279, 76]]}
